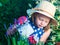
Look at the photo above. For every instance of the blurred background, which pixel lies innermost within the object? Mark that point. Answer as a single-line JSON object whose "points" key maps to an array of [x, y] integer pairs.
{"points": [[13, 9]]}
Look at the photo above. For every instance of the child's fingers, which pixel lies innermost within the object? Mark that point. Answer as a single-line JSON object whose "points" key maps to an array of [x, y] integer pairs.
{"points": [[8, 32], [11, 30]]}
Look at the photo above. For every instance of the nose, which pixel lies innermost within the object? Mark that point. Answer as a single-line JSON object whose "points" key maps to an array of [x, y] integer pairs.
{"points": [[42, 23]]}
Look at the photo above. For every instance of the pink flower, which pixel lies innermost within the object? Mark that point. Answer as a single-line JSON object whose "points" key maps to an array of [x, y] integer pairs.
{"points": [[31, 40], [22, 19]]}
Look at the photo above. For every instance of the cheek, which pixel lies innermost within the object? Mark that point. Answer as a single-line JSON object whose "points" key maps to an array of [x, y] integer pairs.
{"points": [[37, 21], [45, 24]]}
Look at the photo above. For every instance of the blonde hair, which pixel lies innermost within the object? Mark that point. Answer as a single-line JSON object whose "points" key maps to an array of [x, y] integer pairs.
{"points": [[34, 15]]}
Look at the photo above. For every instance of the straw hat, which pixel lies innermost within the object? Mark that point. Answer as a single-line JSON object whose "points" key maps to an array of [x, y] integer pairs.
{"points": [[45, 8]]}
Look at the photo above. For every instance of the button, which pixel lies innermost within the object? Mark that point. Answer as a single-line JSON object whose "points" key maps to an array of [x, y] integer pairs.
{"points": [[33, 26], [20, 31], [36, 34], [38, 28], [35, 30], [39, 32]]}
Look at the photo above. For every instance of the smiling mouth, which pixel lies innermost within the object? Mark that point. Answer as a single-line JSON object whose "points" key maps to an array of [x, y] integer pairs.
{"points": [[39, 26]]}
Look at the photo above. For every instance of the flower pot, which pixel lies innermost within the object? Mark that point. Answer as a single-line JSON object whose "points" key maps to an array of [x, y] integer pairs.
{"points": [[57, 43]]}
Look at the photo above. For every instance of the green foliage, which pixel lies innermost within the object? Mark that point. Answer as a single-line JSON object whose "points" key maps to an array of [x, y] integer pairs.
{"points": [[10, 9]]}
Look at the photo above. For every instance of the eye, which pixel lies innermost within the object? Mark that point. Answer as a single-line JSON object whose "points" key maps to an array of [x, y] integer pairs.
{"points": [[41, 19], [46, 22]]}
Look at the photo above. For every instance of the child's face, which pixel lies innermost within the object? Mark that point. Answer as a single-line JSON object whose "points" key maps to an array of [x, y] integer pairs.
{"points": [[41, 21]]}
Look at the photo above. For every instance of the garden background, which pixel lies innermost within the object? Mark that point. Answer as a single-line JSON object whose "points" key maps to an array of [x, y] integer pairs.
{"points": [[13, 9]]}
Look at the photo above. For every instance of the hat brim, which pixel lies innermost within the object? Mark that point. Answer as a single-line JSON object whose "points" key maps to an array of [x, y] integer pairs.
{"points": [[31, 11]]}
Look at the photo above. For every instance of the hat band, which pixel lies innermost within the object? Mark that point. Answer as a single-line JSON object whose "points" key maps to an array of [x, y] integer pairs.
{"points": [[42, 10]]}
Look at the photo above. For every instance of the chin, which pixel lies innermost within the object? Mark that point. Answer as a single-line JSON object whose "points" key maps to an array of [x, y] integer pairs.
{"points": [[39, 27]]}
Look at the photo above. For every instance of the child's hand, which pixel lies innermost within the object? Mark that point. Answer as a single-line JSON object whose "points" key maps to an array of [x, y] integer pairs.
{"points": [[11, 30]]}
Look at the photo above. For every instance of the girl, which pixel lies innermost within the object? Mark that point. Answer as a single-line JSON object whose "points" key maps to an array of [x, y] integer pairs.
{"points": [[37, 27]]}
